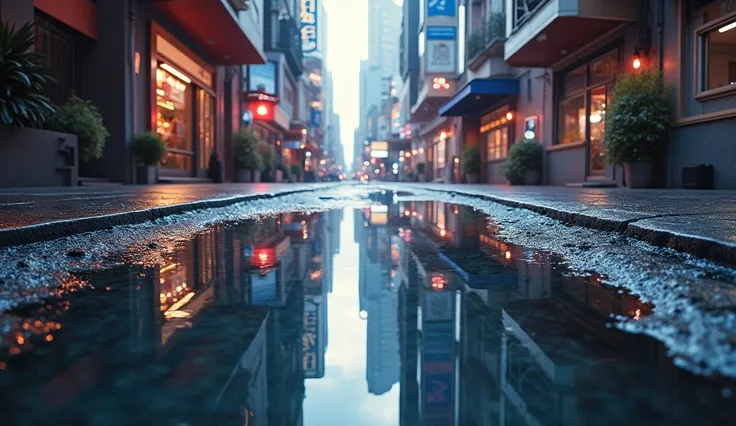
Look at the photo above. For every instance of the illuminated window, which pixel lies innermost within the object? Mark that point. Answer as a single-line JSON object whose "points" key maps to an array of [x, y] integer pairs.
{"points": [[498, 143], [717, 52], [174, 119]]}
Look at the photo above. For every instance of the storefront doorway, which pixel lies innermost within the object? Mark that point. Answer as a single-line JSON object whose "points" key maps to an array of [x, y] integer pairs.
{"points": [[184, 107]]}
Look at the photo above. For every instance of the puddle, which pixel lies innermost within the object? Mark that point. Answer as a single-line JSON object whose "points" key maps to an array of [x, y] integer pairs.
{"points": [[408, 312]]}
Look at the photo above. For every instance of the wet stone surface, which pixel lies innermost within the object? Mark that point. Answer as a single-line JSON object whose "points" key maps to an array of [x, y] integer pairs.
{"points": [[394, 311]]}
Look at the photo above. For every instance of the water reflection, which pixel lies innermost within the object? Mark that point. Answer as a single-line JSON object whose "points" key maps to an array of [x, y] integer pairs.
{"points": [[457, 328]]}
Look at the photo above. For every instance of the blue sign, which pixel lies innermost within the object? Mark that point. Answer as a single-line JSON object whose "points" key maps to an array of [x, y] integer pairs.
{"points": [[312, 361], [441, 8], [441, 32], [262, 78], [316, 117], [308, 25], [247, 117]]}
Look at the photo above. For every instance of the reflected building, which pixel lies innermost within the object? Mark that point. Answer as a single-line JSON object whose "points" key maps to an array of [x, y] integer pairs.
{"points": [[379, 290]]}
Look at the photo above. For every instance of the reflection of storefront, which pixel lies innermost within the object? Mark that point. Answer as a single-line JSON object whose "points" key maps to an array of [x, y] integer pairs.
{"points": [[184, 105]]}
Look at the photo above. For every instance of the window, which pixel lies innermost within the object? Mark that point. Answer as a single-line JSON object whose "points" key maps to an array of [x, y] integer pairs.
{"points": [[206, 123], [581, 107], [174, 119], [497, 143], [718, 57]]}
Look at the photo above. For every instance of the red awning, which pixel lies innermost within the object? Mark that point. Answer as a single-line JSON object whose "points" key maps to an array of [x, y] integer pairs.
{"points": [[215, 28]]}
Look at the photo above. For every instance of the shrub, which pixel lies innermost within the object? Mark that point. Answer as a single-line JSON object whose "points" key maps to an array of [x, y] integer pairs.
{"points": [[637, 119], [296, 170], [284, 171], [524, 156], [247, 156], [149, 148], [22, 79], [267, 153], [471, 160], [420, 168], [80, 117]]}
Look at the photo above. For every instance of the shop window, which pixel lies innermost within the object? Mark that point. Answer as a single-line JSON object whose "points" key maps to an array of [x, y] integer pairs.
{"points": [[572, 119], [173, 119], [498, 143], [441, 146], [717, 51], [581, 108], [206, 123]]}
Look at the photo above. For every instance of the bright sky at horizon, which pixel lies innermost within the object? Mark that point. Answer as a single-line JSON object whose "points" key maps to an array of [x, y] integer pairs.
{"points": [[347, 43]]}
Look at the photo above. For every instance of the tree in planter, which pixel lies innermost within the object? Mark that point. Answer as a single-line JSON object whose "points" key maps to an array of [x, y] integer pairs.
{"points": [[471, 163], [80, 117], [296, 171], [247, 158], [637, 123], [524, 163], [420, 171], [22, 79], [267, 155], [149, 149]]}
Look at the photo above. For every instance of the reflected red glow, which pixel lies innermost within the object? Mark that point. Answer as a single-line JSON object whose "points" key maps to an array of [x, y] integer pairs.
{"points": [[263, 257], [438, 281]]}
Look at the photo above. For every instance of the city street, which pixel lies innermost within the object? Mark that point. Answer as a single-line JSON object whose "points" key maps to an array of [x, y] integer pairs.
{"points": [[367, 212]]}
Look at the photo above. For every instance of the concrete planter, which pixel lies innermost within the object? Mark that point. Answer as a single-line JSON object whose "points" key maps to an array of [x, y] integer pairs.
{"points": [[243, 176], [33, 157], [531, 177], [256, 176], [279, 176], [146, 175], [293, 179], [638, 175], [472, 178]]}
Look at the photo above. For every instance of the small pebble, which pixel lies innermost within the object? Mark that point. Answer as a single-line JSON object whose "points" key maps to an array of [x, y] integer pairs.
{"points": [[21, 264]]}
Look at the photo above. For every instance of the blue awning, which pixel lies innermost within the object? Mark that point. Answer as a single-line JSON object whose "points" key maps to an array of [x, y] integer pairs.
{"points": [[478, 95]]}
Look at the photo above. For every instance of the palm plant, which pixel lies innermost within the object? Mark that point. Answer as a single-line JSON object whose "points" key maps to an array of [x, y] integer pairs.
{"points": [[22, 79]]}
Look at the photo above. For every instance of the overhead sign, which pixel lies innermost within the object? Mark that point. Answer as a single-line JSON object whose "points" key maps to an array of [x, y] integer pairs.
{"points": [[308, 25], [316, 117], [262, 78], [441, 8], [312, 362]]}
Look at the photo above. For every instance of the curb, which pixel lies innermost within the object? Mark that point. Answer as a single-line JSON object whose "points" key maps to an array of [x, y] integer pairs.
{"points": [[718, 251], [64, 228]]}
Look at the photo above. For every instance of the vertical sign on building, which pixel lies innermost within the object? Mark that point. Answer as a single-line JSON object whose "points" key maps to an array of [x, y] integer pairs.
{"points": [[308, 25], [312, 351], [441, 37]]}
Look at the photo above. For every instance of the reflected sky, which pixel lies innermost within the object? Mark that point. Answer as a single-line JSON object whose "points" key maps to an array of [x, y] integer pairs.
{"points": [[404, 313]]}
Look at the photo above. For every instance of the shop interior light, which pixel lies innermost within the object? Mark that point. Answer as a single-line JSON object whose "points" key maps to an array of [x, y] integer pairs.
{"points": [[308, 154], [176, 72], [440, 83], [595, 118], [509, 115], [728, 27], [262, 110], [443, 135], [304, 132]]}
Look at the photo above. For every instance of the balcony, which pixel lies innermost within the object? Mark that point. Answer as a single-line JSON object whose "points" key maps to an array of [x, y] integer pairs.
{"points": [[542, 32], [487, 41], [227, 30], [290, 43]]}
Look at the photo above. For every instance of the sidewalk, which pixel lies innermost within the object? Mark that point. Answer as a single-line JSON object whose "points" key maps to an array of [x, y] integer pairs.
{"points": [[698, 222], [36, 214]]}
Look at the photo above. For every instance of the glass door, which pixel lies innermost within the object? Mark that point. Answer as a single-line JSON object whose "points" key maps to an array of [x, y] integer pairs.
{"points": [[174, 121], [206, 127], [597, 120]]}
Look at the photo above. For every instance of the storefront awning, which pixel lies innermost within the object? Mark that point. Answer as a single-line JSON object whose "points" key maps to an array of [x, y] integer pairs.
{"points": [[478, 95], [216, 27]]}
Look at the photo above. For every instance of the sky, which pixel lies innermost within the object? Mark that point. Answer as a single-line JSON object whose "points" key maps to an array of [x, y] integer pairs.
{"points": [[347, 43]]}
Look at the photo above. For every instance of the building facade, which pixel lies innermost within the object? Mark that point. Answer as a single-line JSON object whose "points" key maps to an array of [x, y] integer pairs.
{"points": [[525, 75]]}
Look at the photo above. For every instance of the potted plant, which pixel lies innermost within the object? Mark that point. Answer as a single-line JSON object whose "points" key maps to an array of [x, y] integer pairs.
{"points": [[29, 156], [247, 158], [296, 173], [149, 150], [282, 173], [637, 123], [471, 164], [267, 155], [80, 117], [420, 171], [524, 164]]}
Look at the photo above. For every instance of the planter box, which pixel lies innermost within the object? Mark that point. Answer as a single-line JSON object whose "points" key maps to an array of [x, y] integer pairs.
{"points": [[146, 175], [472, 178], [243, 176], [638, 175], [279, 176], [33, 157]]}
